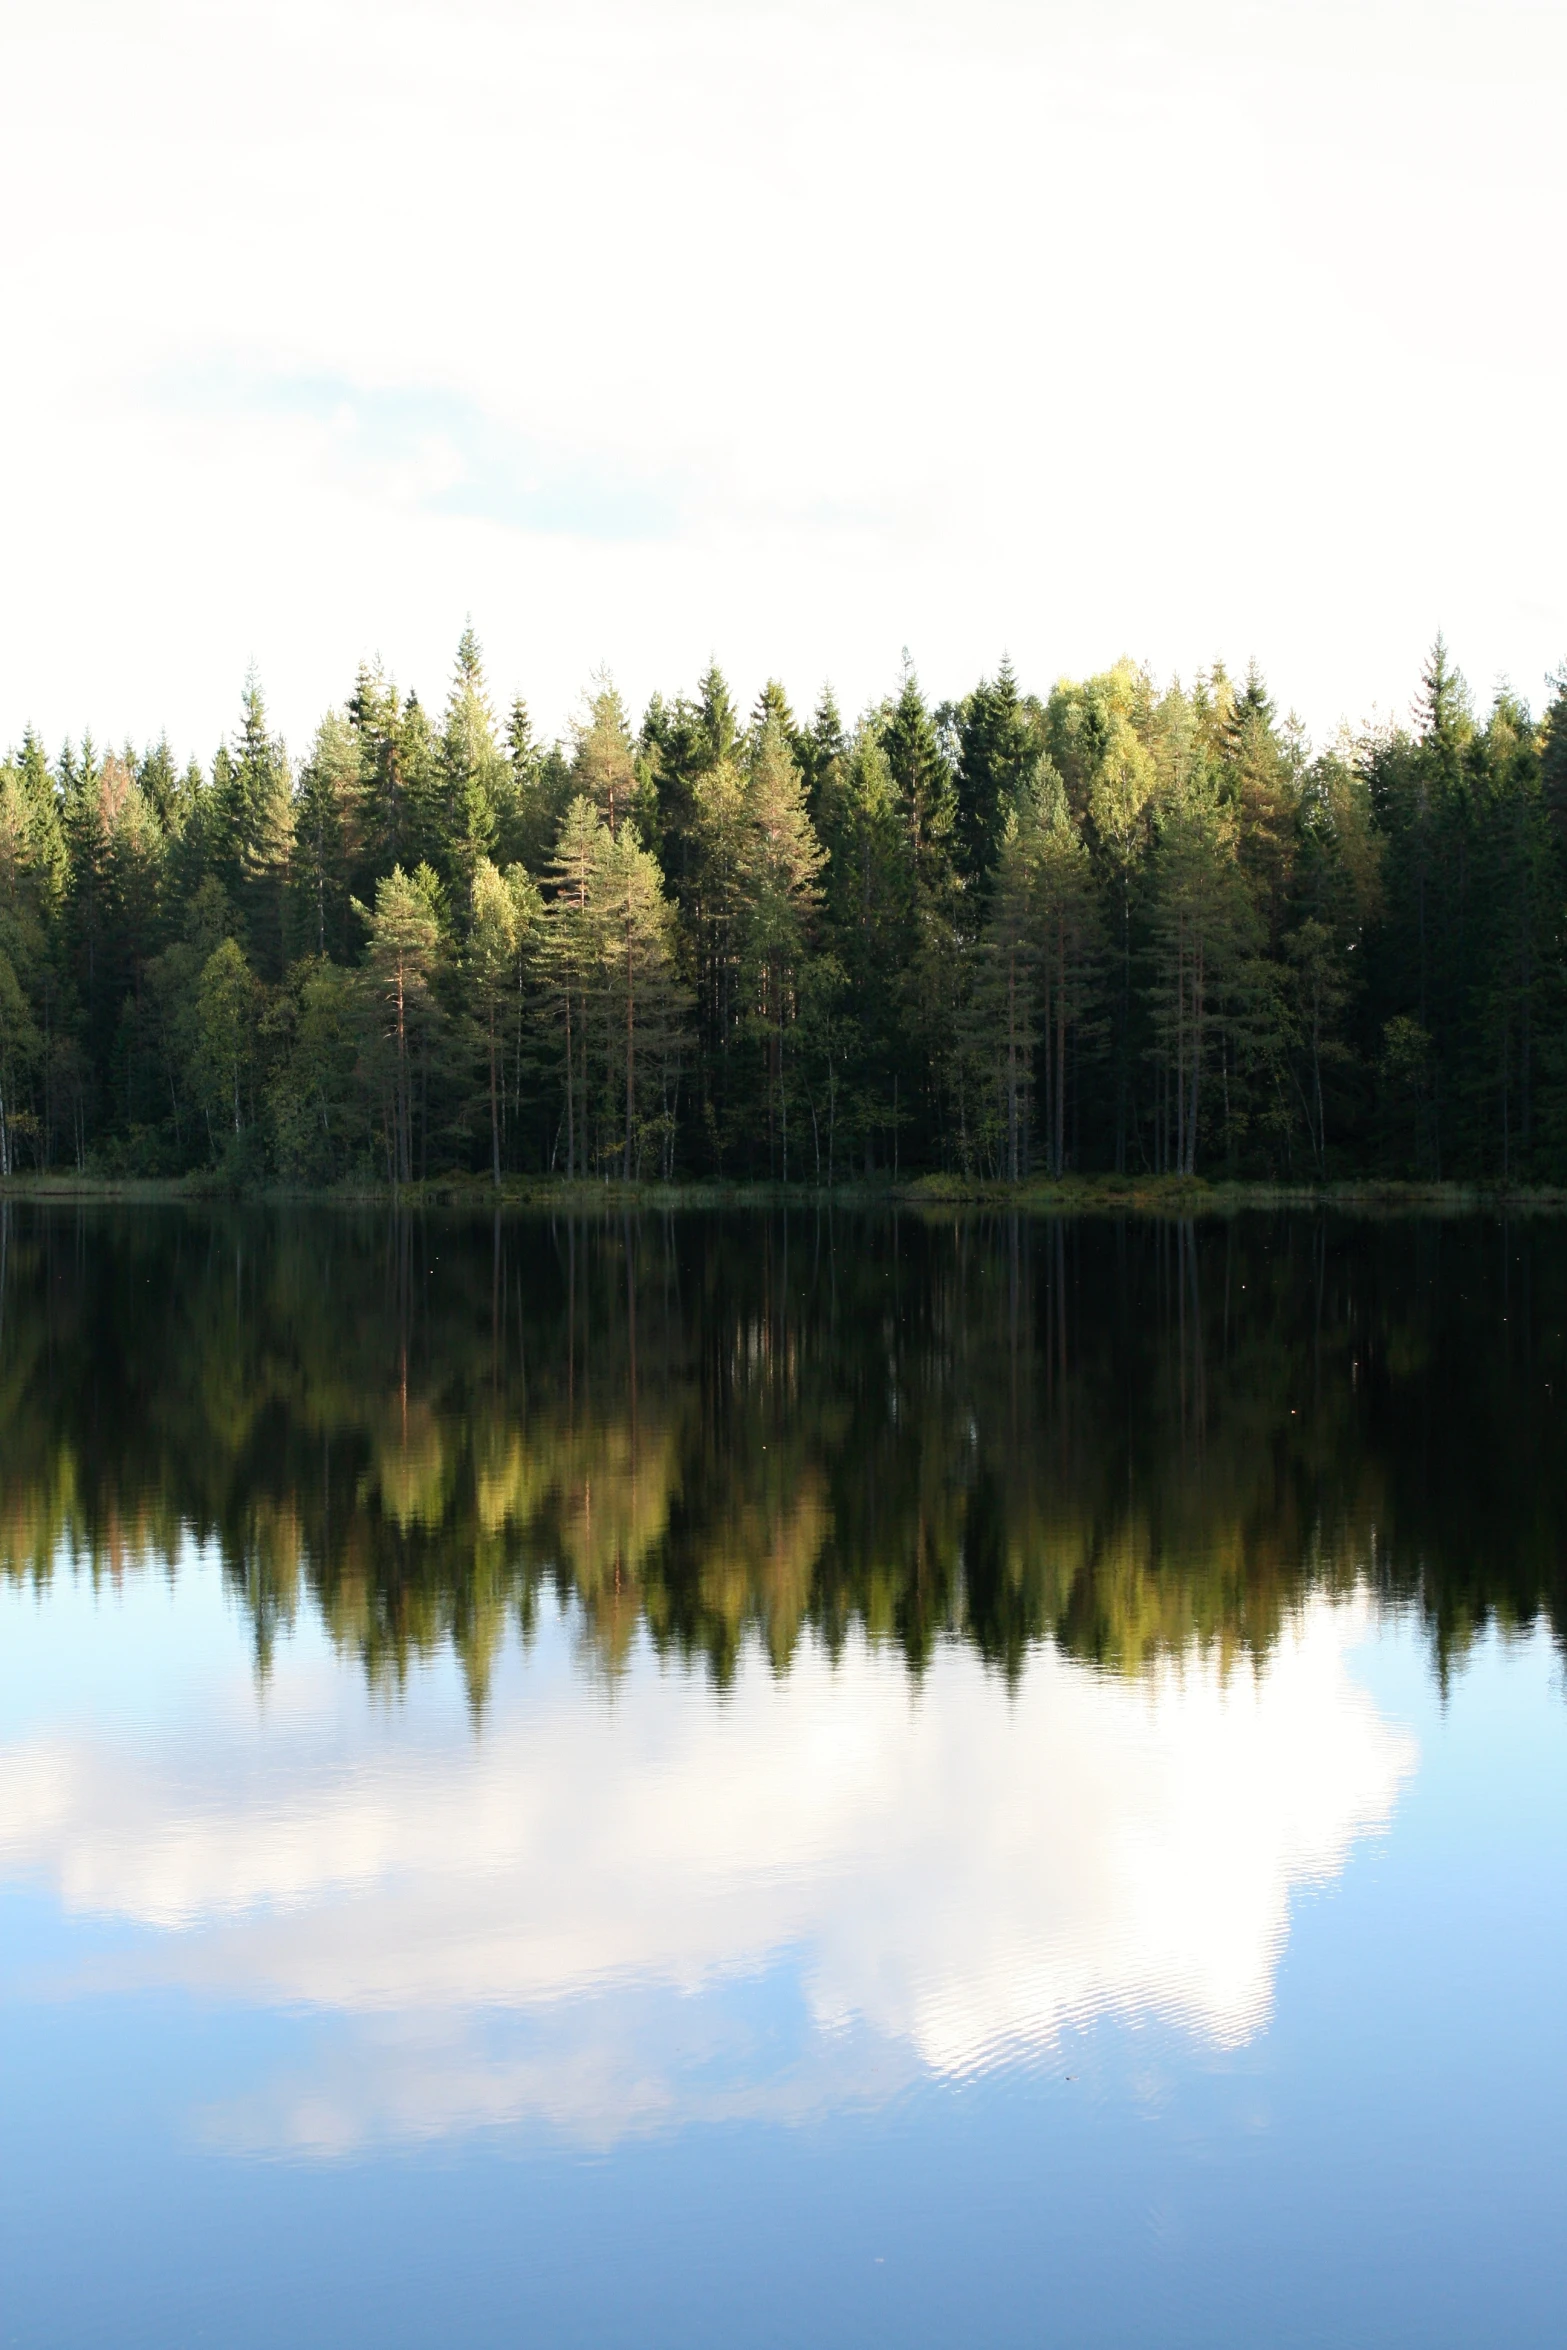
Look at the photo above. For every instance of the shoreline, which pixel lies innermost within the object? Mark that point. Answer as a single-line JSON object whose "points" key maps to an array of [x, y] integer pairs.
{"points": [[1078, 1195]]}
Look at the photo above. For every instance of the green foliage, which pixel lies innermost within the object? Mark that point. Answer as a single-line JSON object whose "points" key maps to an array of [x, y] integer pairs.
{"points": [[779, 861], [1124, 926], [401, 963], [226, 1010], [316, 1099]]}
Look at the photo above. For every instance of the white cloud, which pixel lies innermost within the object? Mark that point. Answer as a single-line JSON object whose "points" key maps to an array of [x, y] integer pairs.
{"points": [[955, 1876], [1213, 327]]}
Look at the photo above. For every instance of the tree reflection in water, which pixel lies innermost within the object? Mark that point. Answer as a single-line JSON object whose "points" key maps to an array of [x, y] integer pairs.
{"points": [[1121, 1437]]}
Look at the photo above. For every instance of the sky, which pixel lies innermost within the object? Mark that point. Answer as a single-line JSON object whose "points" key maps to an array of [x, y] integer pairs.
{"points": [[646, 331]]}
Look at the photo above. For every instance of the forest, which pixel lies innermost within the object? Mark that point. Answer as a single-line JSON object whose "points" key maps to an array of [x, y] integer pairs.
{"points": [[1125, 928]]}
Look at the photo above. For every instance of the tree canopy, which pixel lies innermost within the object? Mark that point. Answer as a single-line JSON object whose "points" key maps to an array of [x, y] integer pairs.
{"points": [[1123, 925]]}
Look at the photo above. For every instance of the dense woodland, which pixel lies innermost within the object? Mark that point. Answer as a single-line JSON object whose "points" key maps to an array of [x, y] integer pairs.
{"points": [[1118, 928]]}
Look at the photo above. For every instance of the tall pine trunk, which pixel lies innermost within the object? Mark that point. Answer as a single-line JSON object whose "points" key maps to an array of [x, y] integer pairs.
{"points": [[495, 1110], [631, 1059]]}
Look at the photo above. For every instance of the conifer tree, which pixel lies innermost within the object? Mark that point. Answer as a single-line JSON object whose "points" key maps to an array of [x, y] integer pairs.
{"points": [[604, 769], [1070, 945], [226, 1005], [780, 860], [872, 924], [258, 810], [641, 997], [404, 946], [573, 962], [1000, 743], [1006, 995], [1204, 938], [504, 933], [473, 771], [1120, 782], [327, 843]]}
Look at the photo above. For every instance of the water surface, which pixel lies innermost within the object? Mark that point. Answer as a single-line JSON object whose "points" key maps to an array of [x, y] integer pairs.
{"points": [[694, 1779]]}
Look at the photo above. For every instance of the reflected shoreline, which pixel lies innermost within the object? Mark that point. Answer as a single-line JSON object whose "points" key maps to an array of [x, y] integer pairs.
{"points": [[1120, 1438]]}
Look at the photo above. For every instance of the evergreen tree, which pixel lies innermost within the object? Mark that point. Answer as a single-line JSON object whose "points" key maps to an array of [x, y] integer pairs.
{"points": [[780, 860], [315, 1097], [1069, 929], [256, 804], [1120, 797], [604, 768], [1005, 1000], [872, 922], [327, 846], [504, 934], [821, 751], [401, 964], [923, 777], [473, 772], [573, 964], [1203, 944], [1000, 742], [226, 1008], [642, 1001]]}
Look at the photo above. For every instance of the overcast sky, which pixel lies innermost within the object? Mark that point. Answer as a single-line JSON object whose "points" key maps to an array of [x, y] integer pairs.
{"points": [[792, 333]]}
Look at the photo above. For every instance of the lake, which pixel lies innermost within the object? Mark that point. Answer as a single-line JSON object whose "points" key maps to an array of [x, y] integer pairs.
{"points": [[764, 1778]]}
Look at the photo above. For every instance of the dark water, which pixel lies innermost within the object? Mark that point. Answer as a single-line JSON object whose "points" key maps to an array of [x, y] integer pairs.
{"points": [[824, 1780]]}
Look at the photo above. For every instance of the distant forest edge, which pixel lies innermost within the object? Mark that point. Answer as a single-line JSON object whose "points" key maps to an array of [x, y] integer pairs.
{"points": [[1120, 929]]}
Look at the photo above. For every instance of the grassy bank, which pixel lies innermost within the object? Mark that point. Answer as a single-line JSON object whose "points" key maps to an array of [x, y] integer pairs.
{"points": [[1077, 1195]]}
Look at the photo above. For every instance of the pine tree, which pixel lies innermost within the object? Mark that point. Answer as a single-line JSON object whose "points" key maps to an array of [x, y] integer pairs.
{"points": [[821, 751], [256, 804], [871, 921], [1006, 995], [716, 909], [226, 1009], [1120, 782], [1000, 741], [924, 779], [473, 772], [327, 845], [641, 997], [573, 962], [780, 860], [404, 948], [504, 934], [1069, 931], [604, 768], [1203, 948]]}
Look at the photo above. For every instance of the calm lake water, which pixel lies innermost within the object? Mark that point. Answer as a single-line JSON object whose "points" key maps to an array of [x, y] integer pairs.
{"points": [[825, 1780]]}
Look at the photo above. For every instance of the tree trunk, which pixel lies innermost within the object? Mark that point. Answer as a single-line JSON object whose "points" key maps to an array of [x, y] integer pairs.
{"points": [[783, 1099], [1012, 1068], [1059, 1167], [402, 1106], [571, 1088], [631, 1061], [495, 1114], [1197, 1021]]}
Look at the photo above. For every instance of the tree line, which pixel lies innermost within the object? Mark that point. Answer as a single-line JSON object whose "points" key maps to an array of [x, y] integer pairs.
{"points": [[1122, 927]]}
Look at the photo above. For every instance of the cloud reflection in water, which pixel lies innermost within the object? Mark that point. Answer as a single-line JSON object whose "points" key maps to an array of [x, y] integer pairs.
{"points": [[623, 1913]]}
